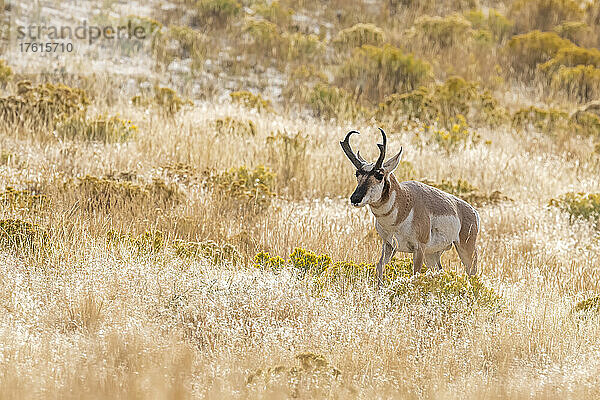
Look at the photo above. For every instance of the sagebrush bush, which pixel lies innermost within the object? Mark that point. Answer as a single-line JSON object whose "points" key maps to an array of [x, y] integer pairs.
{"points": [[265, 38], [181, 42], [230, 126], [147, 243], [543, 120], [448, 292], [12, 198], [105, 129], [589, 305], [303, 47], [166, 99], [215, 253], [43, 105], [357, 36], [456, 136], [579, 206], [328, 101], [251, 100], [242, 187], [494, 22], [575, 31], [323, 270], [444, 104], [572, 56], [23, 237], [273, 11], [543, 14], [586, 123], [380, 71], [443, 32], [581, 83], [528, 50]]}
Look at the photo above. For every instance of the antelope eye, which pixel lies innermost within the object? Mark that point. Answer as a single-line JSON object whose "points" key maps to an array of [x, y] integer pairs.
{"points": [[378, 175]]}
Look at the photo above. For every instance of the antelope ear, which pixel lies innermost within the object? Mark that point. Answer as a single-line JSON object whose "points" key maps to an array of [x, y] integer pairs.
{"points": [[391, 164]]}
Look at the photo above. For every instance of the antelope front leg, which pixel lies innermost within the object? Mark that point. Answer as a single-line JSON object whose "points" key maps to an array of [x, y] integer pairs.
{"points": [[417, 259], [387, 252]]}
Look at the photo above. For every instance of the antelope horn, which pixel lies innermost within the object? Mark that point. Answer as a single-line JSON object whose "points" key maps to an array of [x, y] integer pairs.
{"points": [[357, 161], [382, 147]]}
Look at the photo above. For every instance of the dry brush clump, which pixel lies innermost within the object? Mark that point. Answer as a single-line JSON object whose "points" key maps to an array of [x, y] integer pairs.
{"points": [[376, 72], [43, 105]]}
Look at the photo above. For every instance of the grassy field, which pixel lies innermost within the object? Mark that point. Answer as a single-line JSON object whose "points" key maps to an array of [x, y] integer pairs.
{"points": [[174, 213]]}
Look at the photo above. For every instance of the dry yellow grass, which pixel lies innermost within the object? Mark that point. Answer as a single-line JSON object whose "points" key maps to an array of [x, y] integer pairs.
{"points": [[88, 317]]}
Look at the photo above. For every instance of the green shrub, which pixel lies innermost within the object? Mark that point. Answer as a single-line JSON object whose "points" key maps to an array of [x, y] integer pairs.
{"points": [[147, 243], [268, 262], [586, 123], [169, 100], [589, 305], [22, 199], [445, 105], [229, 126], [448, 291], [5, 72], [266, 39], [494, 22], [217, 12], [571, 57], [244, 187], [581, 83], [543, 120], [458, 135], [43, 105], [189, 43], [208, 250], [528, 50], [380, 71], [329, 101], [579, 206], [100, 129], [575, 31], [357, 36], [543, 14], [165, 98], [303, 47], [251, 100], [105, 194], [273, 12], [23, 237], [443, 32]]}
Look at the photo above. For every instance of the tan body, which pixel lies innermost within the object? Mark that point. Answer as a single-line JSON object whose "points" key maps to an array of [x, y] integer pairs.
{"points": [[415, 218]]}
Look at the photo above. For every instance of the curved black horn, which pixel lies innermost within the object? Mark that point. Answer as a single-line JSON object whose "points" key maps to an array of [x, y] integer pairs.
{"points": [[357, 161], [382, 148]]}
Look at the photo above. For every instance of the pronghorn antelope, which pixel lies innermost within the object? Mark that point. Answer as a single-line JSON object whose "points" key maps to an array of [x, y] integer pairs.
{"points": [[411, 216]]}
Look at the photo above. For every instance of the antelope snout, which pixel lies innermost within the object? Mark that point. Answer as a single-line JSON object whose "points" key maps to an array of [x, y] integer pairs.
{"points": [[356, 199]]}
